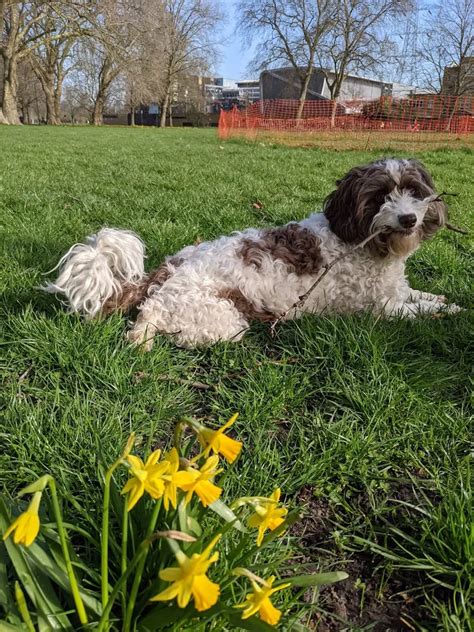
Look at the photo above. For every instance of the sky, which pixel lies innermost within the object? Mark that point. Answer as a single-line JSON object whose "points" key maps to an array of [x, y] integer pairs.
{"points": [[235, 56]]}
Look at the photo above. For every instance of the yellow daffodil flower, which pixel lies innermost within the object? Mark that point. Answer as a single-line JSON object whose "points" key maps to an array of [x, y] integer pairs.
{"points": [[190, 580], [267, 515], [201, 483], [174, 479], [27, 525], [146, 477], [219, 443], [259, 602]]}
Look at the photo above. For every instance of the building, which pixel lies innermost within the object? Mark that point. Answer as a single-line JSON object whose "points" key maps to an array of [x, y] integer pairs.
{"points": [[284, 83], [458, 80], [225, 93], [249, 90]]}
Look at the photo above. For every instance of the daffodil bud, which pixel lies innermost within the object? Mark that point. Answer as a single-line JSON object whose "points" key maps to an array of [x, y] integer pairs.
{"points": [[38, 486]]}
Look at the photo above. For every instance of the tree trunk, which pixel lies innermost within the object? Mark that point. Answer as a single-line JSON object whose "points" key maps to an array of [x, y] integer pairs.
{"points": [[50, 106], [304, 92], [132, 116], [98, 113], [164, 110], [9, 110], [46, 79], [451, 116], [25, 113], [57, 103], [333, 113]]}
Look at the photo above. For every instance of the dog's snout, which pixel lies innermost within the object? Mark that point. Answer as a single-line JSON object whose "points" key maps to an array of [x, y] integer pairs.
{"points": [[408, 220]]}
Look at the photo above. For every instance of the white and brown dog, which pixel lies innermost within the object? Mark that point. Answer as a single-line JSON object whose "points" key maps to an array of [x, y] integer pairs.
{"points": [[213, 291]]}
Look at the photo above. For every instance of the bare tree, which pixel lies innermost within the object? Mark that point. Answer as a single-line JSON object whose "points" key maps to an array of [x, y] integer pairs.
{"points": [[57, 28], [356, 41], [188, 48], [103, 53], [140, 84], [289, 32], [30, 95], [447, 47], [90, 80], [16, 37], [143, 71]]}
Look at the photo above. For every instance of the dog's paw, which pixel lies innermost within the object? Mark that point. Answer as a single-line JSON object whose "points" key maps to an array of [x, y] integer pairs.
{"points": [[452, 308], [447, 310], [140, 338]]}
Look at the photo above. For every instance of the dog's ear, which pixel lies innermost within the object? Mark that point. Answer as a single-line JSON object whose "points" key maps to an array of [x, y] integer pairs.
{"points": [[422, 173], [351, 208], [437, 213]]}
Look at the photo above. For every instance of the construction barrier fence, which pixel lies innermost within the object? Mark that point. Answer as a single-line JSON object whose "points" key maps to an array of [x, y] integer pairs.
{"points": [[430, 115]]}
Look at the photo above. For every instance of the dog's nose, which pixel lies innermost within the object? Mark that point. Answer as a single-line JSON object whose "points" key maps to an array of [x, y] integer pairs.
{"points": [[407, 221]]}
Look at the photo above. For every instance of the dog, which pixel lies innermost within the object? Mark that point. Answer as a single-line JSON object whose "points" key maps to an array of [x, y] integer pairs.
{"points": [[378, 215]]}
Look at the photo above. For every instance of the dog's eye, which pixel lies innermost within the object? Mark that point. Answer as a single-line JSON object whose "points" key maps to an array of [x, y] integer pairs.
{"points": [[417, 194]]}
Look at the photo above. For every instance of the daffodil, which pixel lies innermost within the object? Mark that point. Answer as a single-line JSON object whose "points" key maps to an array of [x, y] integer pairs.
{"points": [[267, 515], [190, 579], [220, 443], [26, 526], [201, 483], [146, 477], [174, 479], [258, 601]]}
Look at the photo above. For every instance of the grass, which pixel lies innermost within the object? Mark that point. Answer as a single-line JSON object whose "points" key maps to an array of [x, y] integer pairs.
{"points": [[398, 141], [368, 419]]}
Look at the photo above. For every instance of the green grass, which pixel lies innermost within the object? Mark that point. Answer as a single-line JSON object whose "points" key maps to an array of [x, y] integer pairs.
{"points": [[372, 417]]}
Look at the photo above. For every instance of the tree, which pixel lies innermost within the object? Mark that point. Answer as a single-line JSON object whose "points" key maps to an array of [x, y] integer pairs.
{"points": [[16, 36], [57, 28], [356, 41], [143, 71], [187, 44], [102, 53], [288, 32], [447, 47], [30, 95]]}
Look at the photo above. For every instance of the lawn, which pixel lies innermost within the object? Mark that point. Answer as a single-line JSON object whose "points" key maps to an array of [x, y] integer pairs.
{"points": [[364, 423]]}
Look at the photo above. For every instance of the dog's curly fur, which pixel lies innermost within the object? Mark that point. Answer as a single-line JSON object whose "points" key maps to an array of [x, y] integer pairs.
{"points": [[213, 290]]}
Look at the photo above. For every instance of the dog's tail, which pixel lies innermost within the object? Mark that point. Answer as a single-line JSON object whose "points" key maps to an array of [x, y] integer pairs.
{"points": [[102, 275]]}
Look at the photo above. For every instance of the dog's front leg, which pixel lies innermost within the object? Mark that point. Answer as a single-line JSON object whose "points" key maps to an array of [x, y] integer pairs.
{"points": [[394, 308], [415, 296]]}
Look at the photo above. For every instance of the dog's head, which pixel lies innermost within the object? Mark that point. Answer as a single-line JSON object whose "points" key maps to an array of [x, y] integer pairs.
{"points": [[395, 196]]}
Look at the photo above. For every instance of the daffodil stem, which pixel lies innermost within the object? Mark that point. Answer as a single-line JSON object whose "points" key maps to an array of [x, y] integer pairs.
{"points": [[124, 553], [23, 608], [141, 551], [104, 563], [138, 575], [67, 559]]}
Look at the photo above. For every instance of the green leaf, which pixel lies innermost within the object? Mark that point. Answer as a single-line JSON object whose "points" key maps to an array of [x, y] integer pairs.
{"points": [[254, 624], [163, 616], [45, 563], [6, 597], [318, 579], [39, 588], [9, 627], [222, 510]]}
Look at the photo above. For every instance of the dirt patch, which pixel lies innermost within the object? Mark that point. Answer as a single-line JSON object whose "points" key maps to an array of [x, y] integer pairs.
{"points": [[368, 598], [363, 600]]}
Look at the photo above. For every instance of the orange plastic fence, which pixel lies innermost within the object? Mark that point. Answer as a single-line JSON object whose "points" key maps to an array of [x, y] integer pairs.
{"points": [[426, 113]]}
